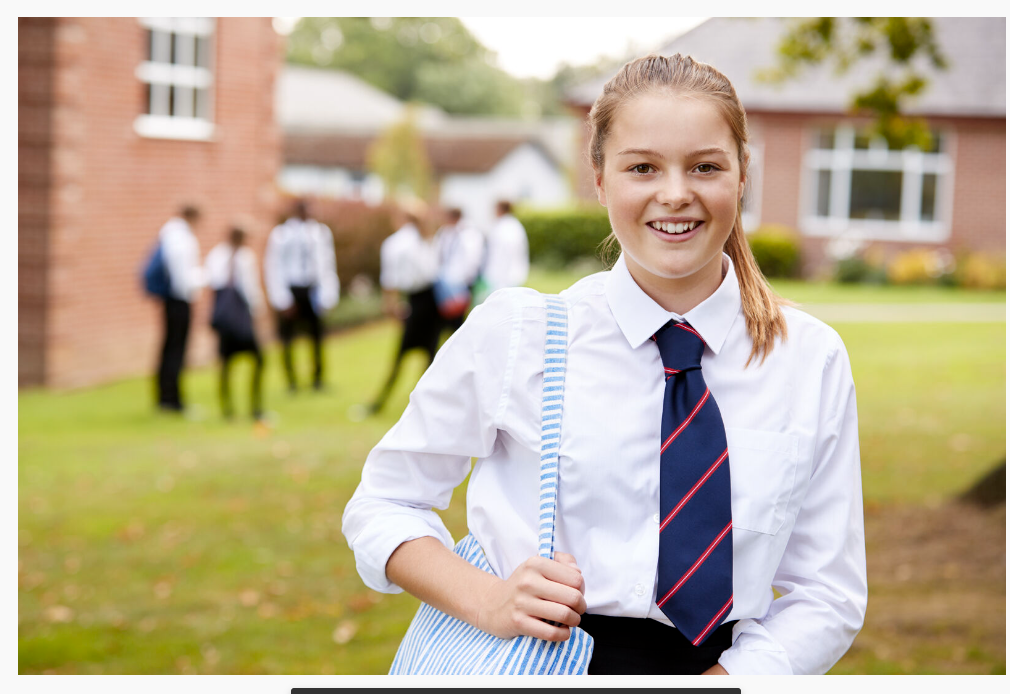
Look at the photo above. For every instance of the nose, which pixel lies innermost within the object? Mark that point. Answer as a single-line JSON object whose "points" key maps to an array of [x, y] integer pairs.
{"points": [[675, 190]]}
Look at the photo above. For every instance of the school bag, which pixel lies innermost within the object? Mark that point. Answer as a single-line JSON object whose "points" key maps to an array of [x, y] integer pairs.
{"points": [[155, 275], [231, 317], [437, 644]]}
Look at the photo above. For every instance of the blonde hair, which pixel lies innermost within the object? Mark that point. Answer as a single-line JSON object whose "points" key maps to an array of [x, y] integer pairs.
{"points": [[678, 73]]}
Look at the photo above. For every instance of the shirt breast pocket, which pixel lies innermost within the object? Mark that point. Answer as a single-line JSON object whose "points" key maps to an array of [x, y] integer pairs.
{"points": [[762, 476]]}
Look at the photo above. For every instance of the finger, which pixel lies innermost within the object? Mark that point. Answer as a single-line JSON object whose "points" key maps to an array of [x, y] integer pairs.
{"points": [[557, 572], [554, 612], [566, 558], [561, 594], [531, 626]]}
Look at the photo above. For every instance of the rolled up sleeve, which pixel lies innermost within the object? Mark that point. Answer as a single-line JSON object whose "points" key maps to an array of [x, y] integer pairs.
{"points": [[415, 467]]}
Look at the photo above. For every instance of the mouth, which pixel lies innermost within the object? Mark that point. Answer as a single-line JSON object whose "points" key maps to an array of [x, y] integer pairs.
{"points": [[675, 228]]}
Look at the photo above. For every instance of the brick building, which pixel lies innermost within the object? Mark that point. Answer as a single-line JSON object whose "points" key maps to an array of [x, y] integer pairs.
{"points": [[814, 171], [121, 120]]}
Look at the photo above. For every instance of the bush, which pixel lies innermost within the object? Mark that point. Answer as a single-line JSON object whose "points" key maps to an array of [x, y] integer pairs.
{"points": [[776, 249], [980, 271], [920, 266], [559, 237]]}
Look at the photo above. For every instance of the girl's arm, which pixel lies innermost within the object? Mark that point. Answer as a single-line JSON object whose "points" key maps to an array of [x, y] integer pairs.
{"points": [[400, 542], [822, 573]]}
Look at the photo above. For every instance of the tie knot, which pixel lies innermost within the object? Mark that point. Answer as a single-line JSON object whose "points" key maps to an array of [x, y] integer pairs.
{"points": [[680, 346]]}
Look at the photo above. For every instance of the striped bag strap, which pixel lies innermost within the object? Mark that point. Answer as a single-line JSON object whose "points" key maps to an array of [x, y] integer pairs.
{"points": [[555, 362]]}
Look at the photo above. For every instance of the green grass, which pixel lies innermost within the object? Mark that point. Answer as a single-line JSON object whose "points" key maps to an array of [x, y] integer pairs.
{"points": [[154, 544]]}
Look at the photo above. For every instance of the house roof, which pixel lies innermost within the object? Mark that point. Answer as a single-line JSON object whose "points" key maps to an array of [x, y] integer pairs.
{"points": [[447, 154], [974, 84]]}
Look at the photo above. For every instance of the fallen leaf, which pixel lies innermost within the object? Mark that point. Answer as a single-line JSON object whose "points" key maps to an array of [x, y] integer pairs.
{"points": [[267, 610], [344, 632], [162, 590], [59, 614], [249, 597]]}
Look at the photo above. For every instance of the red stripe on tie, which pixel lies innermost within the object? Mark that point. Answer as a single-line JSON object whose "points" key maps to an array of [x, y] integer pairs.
{"points": [[671, 371], [687, 421], [695, 488], [692, 331], [704, 632], [694, 567]]}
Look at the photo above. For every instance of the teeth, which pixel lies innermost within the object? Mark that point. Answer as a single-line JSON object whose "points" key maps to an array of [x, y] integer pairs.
{"points": [[674, 228]]}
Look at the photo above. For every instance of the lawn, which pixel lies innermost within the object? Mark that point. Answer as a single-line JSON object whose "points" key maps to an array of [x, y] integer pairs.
{"points": [[153, 544]]}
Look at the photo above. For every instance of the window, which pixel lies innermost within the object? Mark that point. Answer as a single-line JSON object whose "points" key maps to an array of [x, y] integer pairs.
{"points": [[178, 78], [859, 187]]}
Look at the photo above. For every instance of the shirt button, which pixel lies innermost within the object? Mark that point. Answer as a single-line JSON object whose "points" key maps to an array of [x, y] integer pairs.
{"points": [[639, 590], [655, 518]]}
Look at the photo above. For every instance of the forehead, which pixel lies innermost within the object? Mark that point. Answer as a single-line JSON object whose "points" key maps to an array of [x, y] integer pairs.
{"points": [[669, 123]]}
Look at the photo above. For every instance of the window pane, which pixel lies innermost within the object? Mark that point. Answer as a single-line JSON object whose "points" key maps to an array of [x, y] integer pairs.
{"points": [[202, 106], [183, 50], [861, 141], [823, 193], [171, 45], [826, 138], [928, 211], [937, 143], [150, 45], [171, 100], [160, 98], [875, 195], [203, 51]]}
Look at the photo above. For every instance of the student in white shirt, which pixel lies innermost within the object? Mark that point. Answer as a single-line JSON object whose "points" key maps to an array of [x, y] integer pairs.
{"points": [[232, 263], [669, 149], [182, 261], [300, 270], [408, 268], [460, 253], [508, 251]]}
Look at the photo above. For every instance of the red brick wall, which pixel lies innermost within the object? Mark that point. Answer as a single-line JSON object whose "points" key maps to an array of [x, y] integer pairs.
{"points": [[979, 184], [35, 77], [113, 189]]}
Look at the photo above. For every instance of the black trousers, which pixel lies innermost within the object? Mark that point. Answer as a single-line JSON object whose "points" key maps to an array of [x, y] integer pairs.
{"points": [[628, 646], [229, 348], [287, 326], [421, 330], [173, 353]]}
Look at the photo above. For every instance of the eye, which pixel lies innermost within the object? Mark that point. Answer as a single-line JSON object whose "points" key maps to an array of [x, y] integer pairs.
{"points": [[706, 168], [642, 168]]}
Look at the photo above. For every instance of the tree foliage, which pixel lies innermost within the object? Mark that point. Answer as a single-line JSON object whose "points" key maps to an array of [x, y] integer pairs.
{"points": [[398, 157], [435, 60], [907, 44]]}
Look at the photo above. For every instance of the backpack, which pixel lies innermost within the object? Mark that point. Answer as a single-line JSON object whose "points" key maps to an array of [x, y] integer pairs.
{"points": [[231, 318], [155, 276]]}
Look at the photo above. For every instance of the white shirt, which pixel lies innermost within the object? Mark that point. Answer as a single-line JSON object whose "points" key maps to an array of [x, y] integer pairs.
{"points": [[508, 254], [793, 450], [219, 268], [408, 262], [460, 252], [182, 259], [300, 253]]}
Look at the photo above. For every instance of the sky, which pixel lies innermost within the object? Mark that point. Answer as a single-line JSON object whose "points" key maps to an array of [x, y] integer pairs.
{"points": [[536, 46]]}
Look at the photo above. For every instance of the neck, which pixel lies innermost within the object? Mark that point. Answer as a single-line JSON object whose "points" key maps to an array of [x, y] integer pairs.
{"points": [[679, 294]]}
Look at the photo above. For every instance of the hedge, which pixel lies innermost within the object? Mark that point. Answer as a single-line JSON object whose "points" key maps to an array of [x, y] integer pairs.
{"points": [[558, 237]]}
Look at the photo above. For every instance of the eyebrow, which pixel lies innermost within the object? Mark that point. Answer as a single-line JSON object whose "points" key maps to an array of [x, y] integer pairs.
{"points": [[654, 153]]}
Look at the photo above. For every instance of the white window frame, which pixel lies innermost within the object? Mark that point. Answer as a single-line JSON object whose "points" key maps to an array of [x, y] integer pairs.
{"points": [[911, 162], [157, 122]]}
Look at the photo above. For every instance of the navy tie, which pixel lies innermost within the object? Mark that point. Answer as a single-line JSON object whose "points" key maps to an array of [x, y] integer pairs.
{"points": [[696, 528]]}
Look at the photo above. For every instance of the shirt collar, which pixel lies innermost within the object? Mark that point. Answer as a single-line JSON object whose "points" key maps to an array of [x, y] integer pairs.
{"points": [[639, 317]]}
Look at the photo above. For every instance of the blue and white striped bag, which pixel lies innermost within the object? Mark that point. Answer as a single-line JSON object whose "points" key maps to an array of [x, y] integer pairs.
{"points": [[437, 644]]}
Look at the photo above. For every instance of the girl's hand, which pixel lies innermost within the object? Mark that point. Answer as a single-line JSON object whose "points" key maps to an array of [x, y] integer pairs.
{"points": [[539, 589]]}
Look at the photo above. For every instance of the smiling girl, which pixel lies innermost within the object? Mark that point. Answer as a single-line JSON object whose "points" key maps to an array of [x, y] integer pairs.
{"points": [[709, 452]]}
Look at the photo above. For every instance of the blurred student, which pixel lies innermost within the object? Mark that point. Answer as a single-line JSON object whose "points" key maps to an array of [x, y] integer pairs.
{"points": [[233, 274], [409, 267], [180, 258], [460, 253], [508, 251], [300, 269]]}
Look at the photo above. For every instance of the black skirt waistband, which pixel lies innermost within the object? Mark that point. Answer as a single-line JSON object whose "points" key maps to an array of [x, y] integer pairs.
{"points": [[630, 646]]}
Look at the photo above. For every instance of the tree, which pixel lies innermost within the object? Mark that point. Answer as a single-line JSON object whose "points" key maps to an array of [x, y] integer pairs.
{"points": [[399, 158], [905, 42], [431, 59]]}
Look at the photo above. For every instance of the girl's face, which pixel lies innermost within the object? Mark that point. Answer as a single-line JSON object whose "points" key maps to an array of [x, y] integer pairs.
{"points": [[671, 181]]}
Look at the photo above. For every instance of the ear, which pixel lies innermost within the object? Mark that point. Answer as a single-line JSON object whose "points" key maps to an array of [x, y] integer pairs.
{"points": [[601, 193], [743, 185]]}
